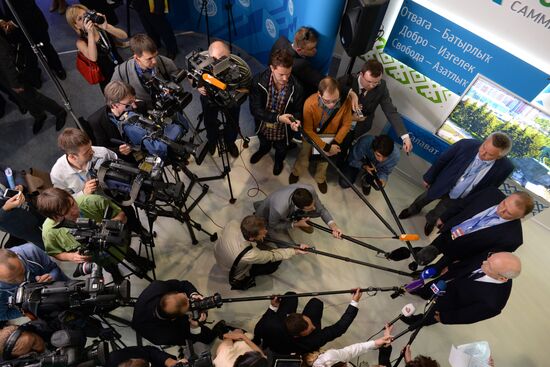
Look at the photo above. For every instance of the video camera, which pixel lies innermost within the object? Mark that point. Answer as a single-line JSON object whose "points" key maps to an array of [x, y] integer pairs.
{"points": [[142, 185], [70, 352], [48, 301], [227, 79], [169, 97], [300, 214], [94, 236], [196, 306]]}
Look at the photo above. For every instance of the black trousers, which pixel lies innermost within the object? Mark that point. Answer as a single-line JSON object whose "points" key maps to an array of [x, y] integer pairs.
{"points": [[313, 309], [37, 103], [158, 28], [212, 125], [264, 269], [279, 146]]}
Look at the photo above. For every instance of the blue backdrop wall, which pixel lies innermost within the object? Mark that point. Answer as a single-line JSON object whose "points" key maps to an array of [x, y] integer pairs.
{"points": [[258, 23]]}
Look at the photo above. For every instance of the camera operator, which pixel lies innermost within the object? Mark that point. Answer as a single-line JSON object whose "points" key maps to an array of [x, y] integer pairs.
{"points": [[291, 207], [210, 110], [145, 64], [276, 102], [58, 205], [161, 314], [141, 356], [25, 263], [95, 39], [237, 242], [73, 171], [18, 217], [119, 98]]}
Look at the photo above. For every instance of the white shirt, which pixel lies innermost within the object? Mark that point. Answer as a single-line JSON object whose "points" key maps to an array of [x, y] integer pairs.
{"points": [[346, 354], [66, 177]]}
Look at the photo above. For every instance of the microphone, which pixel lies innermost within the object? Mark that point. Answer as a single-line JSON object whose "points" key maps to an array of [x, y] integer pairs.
{"points": [[428, 273], [409, 237], [213, 81], [438, 288], [407, 311], [414, 285]]}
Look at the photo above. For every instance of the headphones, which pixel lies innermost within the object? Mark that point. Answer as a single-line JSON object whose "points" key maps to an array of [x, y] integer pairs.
{"points": [[10, 344]]}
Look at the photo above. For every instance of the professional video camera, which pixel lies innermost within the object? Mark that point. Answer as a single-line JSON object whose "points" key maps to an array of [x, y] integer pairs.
{"points": [[227, 79], [300, 214], [169, 97], [70, 352], [196, 306], [48, 301], [142, 185], [94, 236]]}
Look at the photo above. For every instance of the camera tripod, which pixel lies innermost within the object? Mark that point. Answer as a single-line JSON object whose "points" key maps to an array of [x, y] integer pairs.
{"points": [[174, 204], [204, 13]]}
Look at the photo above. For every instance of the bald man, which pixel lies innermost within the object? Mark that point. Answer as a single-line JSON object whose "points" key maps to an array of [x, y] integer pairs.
{"points": [[477, 290], [160, 314], [211, 109]]}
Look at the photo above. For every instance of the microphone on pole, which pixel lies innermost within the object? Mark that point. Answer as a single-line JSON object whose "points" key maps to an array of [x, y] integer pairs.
{"points": [[407, 311]]}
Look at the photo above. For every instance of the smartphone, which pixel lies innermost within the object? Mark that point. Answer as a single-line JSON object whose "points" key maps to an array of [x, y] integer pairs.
{"points": [[9, 193]]}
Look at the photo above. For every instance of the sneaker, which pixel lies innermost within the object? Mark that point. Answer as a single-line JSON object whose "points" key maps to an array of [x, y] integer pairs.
{"points": [[38, 123], [60, 120], [256, 157], [293, 179], [277, 168], [323, 187], [233, 150], [366, 189]]}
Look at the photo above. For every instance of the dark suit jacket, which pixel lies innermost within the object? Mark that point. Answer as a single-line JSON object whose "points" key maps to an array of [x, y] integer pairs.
{"points": [[302, 68], [271, 332], [467, 301], [103, 129], [162, 330], [378, 96], [503, 237], [451, 164]]}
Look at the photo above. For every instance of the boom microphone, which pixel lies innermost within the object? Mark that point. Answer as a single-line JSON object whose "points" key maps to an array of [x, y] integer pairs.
{"points": [[407, 311]]}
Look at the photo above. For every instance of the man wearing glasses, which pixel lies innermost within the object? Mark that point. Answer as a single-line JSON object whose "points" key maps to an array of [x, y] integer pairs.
{"points": [[327, 121], [368, 91], [302, 49]]}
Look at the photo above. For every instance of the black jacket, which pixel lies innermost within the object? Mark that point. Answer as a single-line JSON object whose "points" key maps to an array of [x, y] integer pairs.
{"points": [[258, 99], [272, 333], [466, 300], [163, 331], [302, 68], [148, 353], [503, 237], [379, 96]]}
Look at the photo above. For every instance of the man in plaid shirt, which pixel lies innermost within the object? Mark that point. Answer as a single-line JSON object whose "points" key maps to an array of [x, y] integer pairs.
{"points": [[276, 100]]}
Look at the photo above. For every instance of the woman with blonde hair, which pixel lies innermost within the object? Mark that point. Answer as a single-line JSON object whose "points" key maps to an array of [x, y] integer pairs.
{"points": [[95, 40]]}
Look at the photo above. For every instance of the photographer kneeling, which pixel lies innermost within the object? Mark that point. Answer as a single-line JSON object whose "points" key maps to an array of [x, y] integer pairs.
{"points": [[237, 254], [58, 205], [20, 264]]}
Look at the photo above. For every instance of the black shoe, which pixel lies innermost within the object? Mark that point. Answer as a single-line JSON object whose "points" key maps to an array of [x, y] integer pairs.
{"points": [[293, 179], [61, 74], [399, 254], [366, 190], [323, 188], [405, 213], [277, 168], [256, 157], [233, 150], [60, 120], [428, 228], [38, 123], [211, 148]]}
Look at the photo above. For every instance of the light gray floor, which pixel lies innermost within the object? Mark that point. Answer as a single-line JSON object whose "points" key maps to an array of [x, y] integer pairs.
{"points": [[515, 336]]}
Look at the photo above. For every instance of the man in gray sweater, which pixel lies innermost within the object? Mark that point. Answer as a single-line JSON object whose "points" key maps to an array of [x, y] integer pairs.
{"points": [[144, 65]]}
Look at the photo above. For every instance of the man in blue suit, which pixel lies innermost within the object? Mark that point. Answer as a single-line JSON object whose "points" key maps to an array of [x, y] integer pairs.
{"points": [[465, 168]]}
